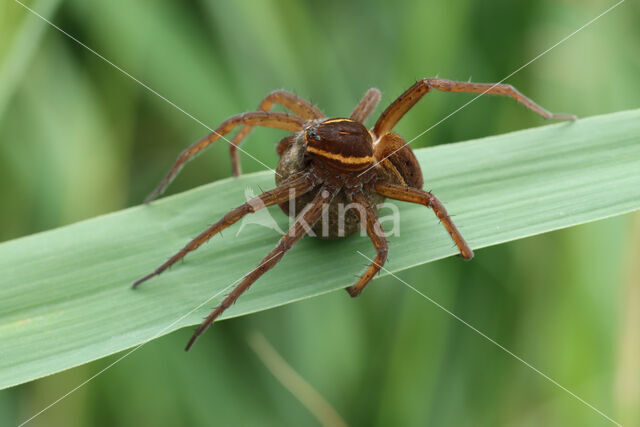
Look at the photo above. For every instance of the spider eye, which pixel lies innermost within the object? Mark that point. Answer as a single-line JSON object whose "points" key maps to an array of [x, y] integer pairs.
{"points": [[313, 135], [342, 143]]}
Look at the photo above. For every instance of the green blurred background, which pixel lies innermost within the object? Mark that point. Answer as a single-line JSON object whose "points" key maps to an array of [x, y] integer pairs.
{"points": [[78, 139]]}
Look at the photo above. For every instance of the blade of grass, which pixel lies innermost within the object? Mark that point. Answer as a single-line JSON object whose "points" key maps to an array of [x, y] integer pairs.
{"points": [[65, 297], [26, 42]]}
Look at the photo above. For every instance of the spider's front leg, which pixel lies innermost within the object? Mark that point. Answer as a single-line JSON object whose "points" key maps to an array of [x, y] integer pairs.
{"points": [[414, 195], [298, 185], [297, 105], [370, 221], [307, 218], [398, 108], [258, 118]]}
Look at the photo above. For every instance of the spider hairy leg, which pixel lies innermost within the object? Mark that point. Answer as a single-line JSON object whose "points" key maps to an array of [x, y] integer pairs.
{"points": [[258, 118], [398, 108], [300, 185], [366, 105], [307, 218], [374, 229], [414, 195], [299, 107]]}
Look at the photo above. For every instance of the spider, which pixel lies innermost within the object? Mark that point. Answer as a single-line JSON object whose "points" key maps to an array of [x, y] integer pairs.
{"points": [[326, 163]]}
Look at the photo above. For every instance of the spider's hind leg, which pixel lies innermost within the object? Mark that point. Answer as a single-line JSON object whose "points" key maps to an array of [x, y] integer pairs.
{"points": [[257, 118], [398, 108], [366, 105], [299, 107]]}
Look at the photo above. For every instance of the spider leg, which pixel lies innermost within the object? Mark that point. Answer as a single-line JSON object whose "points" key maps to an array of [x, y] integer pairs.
{"points": [[374, 230], [280, 194], [366, 105], [297, 105], [414, 195], [306, 219], [394, 112], [258, 118]]}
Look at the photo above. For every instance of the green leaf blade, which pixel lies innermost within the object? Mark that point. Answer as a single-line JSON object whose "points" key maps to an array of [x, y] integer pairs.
{"points": [[65, 297]]}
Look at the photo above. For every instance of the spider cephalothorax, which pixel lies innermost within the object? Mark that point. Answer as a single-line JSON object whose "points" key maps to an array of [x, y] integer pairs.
{"points": [[328, 165], [342, 144], [336, 152]]}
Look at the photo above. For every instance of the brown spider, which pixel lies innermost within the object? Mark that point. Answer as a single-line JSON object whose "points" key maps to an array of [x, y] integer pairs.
{"points": [[326, 163]]}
